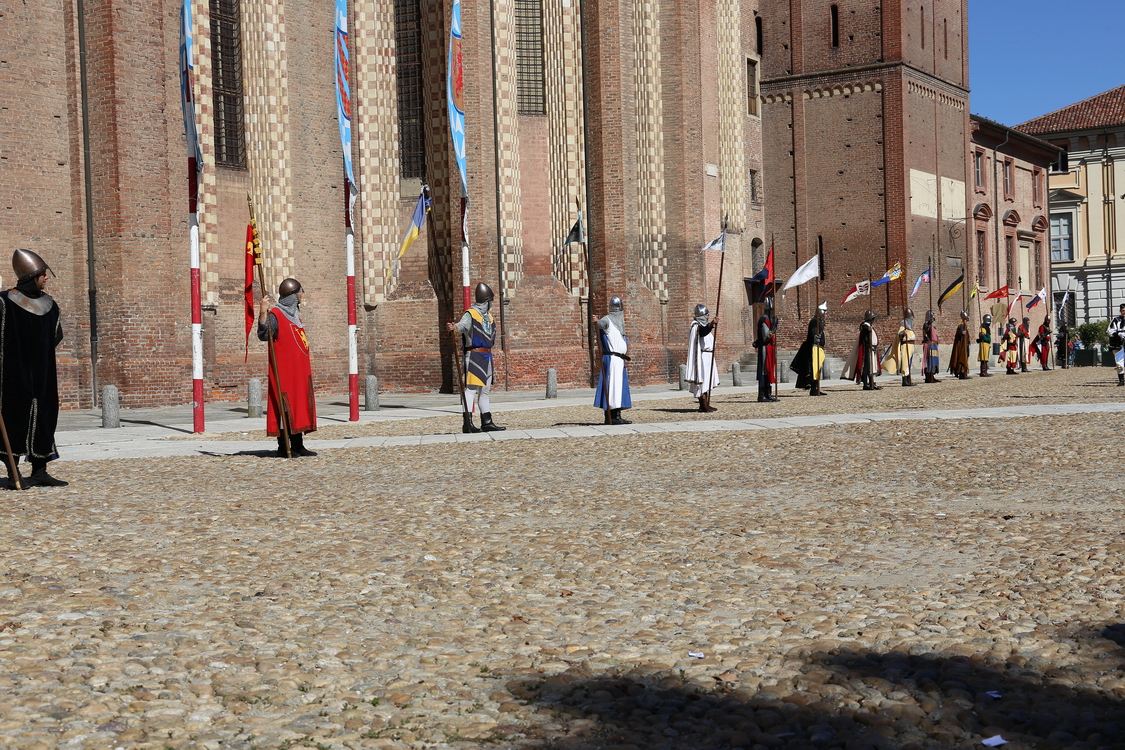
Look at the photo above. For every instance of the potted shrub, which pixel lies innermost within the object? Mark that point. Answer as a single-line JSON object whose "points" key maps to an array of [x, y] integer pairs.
{"points": [[1091, 334]]}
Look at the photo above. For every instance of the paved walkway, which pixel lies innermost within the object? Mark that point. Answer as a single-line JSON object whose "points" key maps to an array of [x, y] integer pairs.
{"points": [[145, 433]]}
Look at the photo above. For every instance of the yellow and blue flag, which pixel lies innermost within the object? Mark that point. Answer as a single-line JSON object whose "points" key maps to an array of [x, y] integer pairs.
{"points": [[415, 229]]}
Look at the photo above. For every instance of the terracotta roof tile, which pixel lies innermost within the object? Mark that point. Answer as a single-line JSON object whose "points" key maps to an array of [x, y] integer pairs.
{"points": [[1102, 110]]}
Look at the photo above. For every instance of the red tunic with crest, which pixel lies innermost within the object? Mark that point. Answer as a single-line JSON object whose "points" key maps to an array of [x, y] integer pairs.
{"points": [[295, 371]]}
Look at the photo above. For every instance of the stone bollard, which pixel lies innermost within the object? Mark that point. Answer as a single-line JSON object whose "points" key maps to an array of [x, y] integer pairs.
{"points": [[736, 374], [371, 393], [552, 383], [785, 371], [254, 398], [111, 408], [683, 377]]}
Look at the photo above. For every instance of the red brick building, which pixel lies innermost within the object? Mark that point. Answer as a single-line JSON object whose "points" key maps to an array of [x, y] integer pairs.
{"points": [[866, 139], [645, 114]]}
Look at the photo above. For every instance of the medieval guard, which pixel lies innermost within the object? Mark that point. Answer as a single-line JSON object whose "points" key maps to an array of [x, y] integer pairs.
{"points": [[478, 334], [31, 329], [702, 373], [1041, 344], [765, 341], [1116, 332], [959, 360], [902, 350], [863, 362], [1010, 348], [930, 363], [293, 377], [613, 383], [1062, 346], [809, 360], [984, 344], [1023, 334]]}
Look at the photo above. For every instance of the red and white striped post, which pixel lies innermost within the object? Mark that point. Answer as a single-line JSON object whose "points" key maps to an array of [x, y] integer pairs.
{"points": [[196, 301], [353, 353]]}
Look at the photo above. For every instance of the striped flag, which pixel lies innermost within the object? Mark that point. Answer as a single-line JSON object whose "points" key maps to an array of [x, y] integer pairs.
{"points": [[976, 289], [1039, 297], [421, 208], [951, 290], [918, 284], [860, 289], [892, 273]]}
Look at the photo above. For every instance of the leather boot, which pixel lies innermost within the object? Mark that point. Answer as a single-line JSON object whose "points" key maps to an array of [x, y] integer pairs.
{"points": [[467, 423], [297, 443], [617, 418], [703, 402], [609, 416], [281, 452], [984, 370], [1121, 378], [40, 478], [11, 478], [487, 425]]}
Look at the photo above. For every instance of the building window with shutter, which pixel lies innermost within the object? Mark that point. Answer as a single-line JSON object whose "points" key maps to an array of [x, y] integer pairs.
{"points": [[752, 87], [1062, 247], [532, 99], [408, 69], [226, 66]]}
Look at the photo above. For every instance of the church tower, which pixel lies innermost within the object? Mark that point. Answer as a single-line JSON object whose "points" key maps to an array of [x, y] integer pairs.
{"points": [[865, 135]]}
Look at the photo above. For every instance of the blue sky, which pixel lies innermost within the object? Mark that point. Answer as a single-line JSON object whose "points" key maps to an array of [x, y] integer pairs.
{"points": [[1031, 57]]}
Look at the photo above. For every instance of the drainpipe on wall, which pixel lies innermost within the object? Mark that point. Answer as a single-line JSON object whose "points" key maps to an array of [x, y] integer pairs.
{"points": [[91, 279]]}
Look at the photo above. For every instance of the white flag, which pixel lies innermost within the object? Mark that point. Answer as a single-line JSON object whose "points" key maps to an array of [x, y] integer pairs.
{"points": [[717, 243], [860, 289], [809, 271]]}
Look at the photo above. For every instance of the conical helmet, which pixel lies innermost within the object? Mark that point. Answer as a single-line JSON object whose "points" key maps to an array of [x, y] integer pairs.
{"points": [[28, 265], [483, 292], [615, 304]]}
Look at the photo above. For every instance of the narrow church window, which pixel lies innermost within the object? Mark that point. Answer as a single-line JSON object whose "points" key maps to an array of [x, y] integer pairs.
{"points": [[408, 69], [945, 34], [751, 86], [529, 57], [835, 26], [758, 33], [226, 64], [922, 23]]}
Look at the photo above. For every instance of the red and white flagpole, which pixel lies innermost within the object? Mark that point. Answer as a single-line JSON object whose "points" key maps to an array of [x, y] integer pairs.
{"points": [[353, 349], [196, 301], [465, 282]]}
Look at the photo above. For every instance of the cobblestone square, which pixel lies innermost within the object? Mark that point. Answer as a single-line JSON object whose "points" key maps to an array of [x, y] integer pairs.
{"points": [[899, 583]]}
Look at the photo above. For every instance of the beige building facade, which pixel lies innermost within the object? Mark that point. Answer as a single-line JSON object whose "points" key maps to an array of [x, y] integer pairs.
{"points": [[1087, 204]]}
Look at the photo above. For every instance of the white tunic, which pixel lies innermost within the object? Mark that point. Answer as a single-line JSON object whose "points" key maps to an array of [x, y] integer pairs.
{"points": [[702, 374]]}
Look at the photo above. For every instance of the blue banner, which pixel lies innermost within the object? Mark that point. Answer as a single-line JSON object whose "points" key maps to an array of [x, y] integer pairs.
{"points": [[456, 93], [187, 90], [343, 88]]}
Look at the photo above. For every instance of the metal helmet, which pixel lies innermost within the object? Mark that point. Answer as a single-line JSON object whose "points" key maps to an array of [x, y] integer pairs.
{"points": [[1027, 320], [287, 287], [483, 293], [28, 265], [701, 310], [987, 319], [769, 305], [908, 313], [964, 315], [869, 315], [615, 304], [929, 316], [1011, 321]]}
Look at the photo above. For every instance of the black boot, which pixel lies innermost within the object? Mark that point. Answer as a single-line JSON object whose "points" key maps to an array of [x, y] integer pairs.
{"points": [[763, 396], [703, 402], [40, 478], [11, 477], [281, 452], [1121, 378], [467, 423], [617, 419], [297, 443], [487, 425]]}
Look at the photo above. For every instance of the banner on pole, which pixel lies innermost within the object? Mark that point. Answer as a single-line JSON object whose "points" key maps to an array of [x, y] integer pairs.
{"points": [[455, 90], [187, 86], [343, 89]]}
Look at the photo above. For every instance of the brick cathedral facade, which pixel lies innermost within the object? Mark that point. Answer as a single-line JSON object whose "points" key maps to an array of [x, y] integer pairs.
{"points": [[644, 114]]}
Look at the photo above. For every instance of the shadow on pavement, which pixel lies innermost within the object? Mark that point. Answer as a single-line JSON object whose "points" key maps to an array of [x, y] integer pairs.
{"points": [[268, 453], [150, 423], [854, 700]]}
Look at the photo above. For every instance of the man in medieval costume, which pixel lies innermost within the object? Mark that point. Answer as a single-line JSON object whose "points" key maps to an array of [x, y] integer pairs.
{"points": [[984, 344], [702, 373], [1010, 348], [293, 379], [1116, 332], [1062, 346], [612, 394], [1023, 334], [930, 363], [959, 360], [478, 334], [863, 363], [765, 341], [902, 349], [1041, 344], [809, 360], [30, 330]]}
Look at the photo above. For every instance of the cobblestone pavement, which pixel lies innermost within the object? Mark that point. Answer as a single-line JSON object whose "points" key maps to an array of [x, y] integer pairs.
{"points": [[893, 584]]}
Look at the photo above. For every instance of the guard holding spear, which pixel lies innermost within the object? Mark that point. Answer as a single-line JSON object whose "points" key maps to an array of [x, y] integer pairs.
{"points": [[478, 334]]}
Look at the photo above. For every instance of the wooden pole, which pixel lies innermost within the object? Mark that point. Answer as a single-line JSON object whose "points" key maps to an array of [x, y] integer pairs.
{"points": [[11, 457], [282, 405]]}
